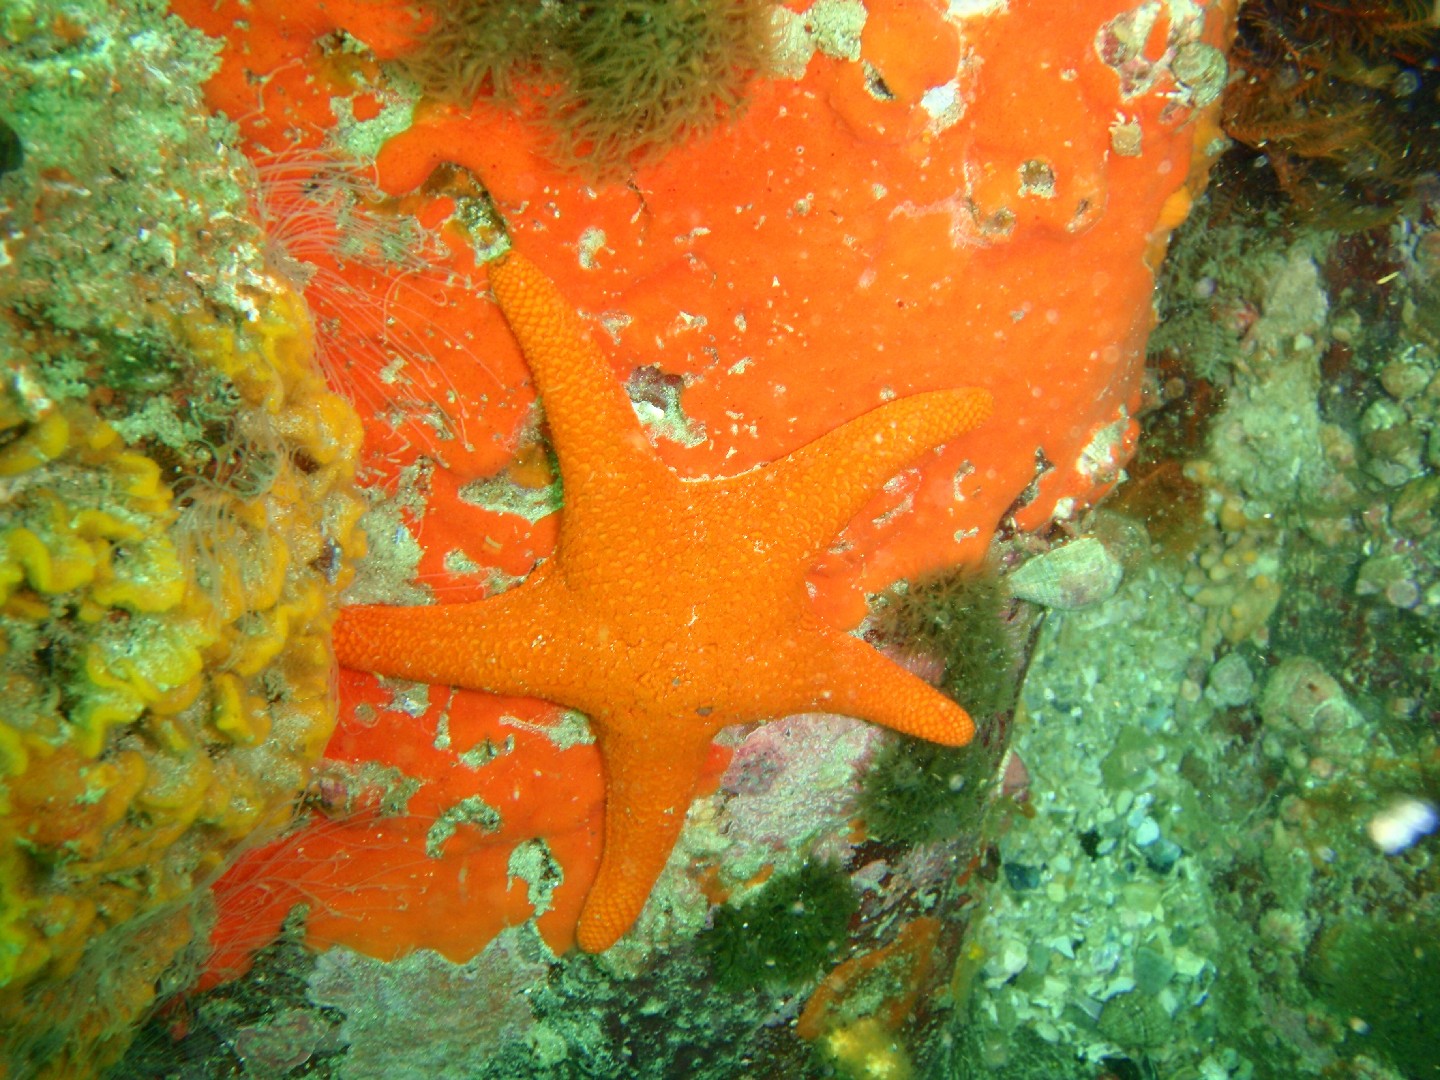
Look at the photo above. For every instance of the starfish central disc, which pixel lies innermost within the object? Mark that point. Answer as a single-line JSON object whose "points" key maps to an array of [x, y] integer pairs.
{"points": [[671, 608]]}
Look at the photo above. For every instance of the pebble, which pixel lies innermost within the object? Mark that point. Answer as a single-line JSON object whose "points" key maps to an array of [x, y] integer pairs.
{"points": [[1230, 682], [1012, 959], [1063, 945], [1188, 965], [1105, 958], [1404, 379], [1020, 876], [1153, 969], [1163, 856]]}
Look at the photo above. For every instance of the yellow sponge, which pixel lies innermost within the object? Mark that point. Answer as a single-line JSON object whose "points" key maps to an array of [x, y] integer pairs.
{"points": [[149, 616]]}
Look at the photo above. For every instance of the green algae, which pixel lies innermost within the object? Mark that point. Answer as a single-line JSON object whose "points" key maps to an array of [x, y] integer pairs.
{"points": [[917, 792], [782, 935], [960, 618], [1380, 978]]}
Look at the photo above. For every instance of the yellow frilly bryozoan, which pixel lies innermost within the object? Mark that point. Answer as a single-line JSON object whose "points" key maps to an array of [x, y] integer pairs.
{"points": [[164, 664]]}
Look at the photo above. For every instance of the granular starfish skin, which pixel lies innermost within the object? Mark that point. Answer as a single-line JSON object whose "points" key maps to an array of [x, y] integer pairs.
{"points": [[671, 608]]}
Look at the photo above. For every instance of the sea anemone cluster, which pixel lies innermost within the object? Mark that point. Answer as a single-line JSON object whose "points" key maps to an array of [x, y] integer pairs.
{"points": [[618, 81]]}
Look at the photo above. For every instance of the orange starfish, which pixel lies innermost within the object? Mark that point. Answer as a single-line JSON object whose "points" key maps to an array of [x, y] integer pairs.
{"points": [[672, 608]]}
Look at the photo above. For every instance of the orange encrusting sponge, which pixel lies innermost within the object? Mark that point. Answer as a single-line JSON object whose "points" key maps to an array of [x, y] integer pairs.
{"points": [[407, 854], [975, 200], [422, 853], [990, 217], [830, 250]]}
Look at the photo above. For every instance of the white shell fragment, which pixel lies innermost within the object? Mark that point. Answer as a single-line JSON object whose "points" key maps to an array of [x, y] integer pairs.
{"points": [[1401, 824], [1080, 573]]}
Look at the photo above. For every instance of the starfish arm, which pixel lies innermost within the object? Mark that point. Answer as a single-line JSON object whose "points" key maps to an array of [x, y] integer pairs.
{"points": [[842, 674], [821, 486], [503, 644], [649, 783], [593, 427]]}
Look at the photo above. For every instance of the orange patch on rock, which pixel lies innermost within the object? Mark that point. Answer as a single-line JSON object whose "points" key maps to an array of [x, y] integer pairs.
{"points": [[897, 972], [419, 855], [404, 853]]}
